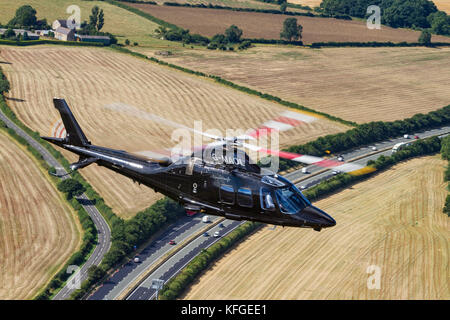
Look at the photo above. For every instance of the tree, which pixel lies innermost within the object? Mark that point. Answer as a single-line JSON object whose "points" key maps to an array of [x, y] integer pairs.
{"points": [[96, 19], [291, 31], [72, 187], [233, 34], [440, 22], [425, 38], [408, 13], [95, 273], [283, 7], [25, 17], [101, 20], [9, 34], [162, 31]]}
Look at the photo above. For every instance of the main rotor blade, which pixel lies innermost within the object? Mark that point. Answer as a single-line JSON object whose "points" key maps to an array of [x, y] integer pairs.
{"points": [[351, 168], [135, 112]]}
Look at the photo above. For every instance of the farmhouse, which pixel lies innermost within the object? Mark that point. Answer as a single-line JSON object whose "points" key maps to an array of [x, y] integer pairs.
{"points": [[65, 34]]}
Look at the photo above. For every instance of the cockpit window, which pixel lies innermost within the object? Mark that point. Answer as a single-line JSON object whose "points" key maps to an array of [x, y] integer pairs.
{"points": [[289, 200]]}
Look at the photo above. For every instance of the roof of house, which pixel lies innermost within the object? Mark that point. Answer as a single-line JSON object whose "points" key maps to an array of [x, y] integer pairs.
{"points": [[63, 30], [63, 23]]}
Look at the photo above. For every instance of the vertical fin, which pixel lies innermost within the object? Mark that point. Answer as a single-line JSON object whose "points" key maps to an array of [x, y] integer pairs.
{"points": [[75, 135]]}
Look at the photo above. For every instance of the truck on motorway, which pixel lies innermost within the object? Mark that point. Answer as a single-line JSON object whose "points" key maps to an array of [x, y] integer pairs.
{"points": [[400, 146]]}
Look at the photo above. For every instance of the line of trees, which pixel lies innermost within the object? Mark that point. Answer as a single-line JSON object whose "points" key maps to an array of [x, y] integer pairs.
{"points": [[367, 133], [394, 13], [445, 153], [379, 44]]}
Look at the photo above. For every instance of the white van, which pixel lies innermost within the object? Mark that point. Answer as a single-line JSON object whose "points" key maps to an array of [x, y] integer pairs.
{"points": [[206, 219]]}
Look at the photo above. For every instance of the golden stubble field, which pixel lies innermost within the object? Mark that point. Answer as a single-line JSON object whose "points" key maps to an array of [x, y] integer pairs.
{"points": [[91, 78], [393, 221], [357, 84], [38, 232]]}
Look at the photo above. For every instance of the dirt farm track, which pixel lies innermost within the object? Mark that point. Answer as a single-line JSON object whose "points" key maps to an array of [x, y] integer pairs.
{"points": [[393, 221]]}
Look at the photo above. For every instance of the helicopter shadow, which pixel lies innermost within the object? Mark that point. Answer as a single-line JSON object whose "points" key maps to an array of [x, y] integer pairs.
{"points": [[15, 99]]}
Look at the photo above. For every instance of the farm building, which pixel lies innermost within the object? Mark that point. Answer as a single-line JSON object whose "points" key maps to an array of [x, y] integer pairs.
{"points": [[100, 39], [65, 34], [30, 35]]}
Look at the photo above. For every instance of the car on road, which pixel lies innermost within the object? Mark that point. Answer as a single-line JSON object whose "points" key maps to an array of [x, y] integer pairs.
{"points": [[335, 172], [340, 158], [172, 242], [221, 225], [136, 260], [374, 148], [416, 137], [302, 187], [216, 234], [206, 219], [305, 170], [206, 234]]}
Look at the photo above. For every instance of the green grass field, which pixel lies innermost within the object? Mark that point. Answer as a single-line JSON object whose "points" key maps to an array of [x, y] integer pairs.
{"points": [[118, 21]]}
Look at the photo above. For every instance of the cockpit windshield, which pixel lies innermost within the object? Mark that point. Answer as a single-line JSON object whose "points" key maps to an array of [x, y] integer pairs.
{"points": [[291, 200]]}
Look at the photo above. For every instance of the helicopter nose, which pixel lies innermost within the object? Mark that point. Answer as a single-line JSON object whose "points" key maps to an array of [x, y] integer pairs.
{"points": [[316, 218]]}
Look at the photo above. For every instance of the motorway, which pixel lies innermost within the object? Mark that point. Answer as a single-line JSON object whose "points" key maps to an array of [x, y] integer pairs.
{"points": [[104, 233], [116, 285]]}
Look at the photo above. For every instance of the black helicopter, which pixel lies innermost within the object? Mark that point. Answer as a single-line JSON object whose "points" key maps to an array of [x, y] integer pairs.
{"points": [[223, 183]]}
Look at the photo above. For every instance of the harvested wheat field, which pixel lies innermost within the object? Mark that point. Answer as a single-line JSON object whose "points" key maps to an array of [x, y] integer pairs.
{"points": [[357, 84], [95, 81], [393, 221], [443, 5], [38, 232], [310, 3], [209, 22]]}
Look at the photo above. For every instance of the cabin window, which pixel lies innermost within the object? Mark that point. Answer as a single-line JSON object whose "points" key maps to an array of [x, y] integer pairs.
{"points": [[227, 194], [244, 197], [290, 201], [266, 198]]}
